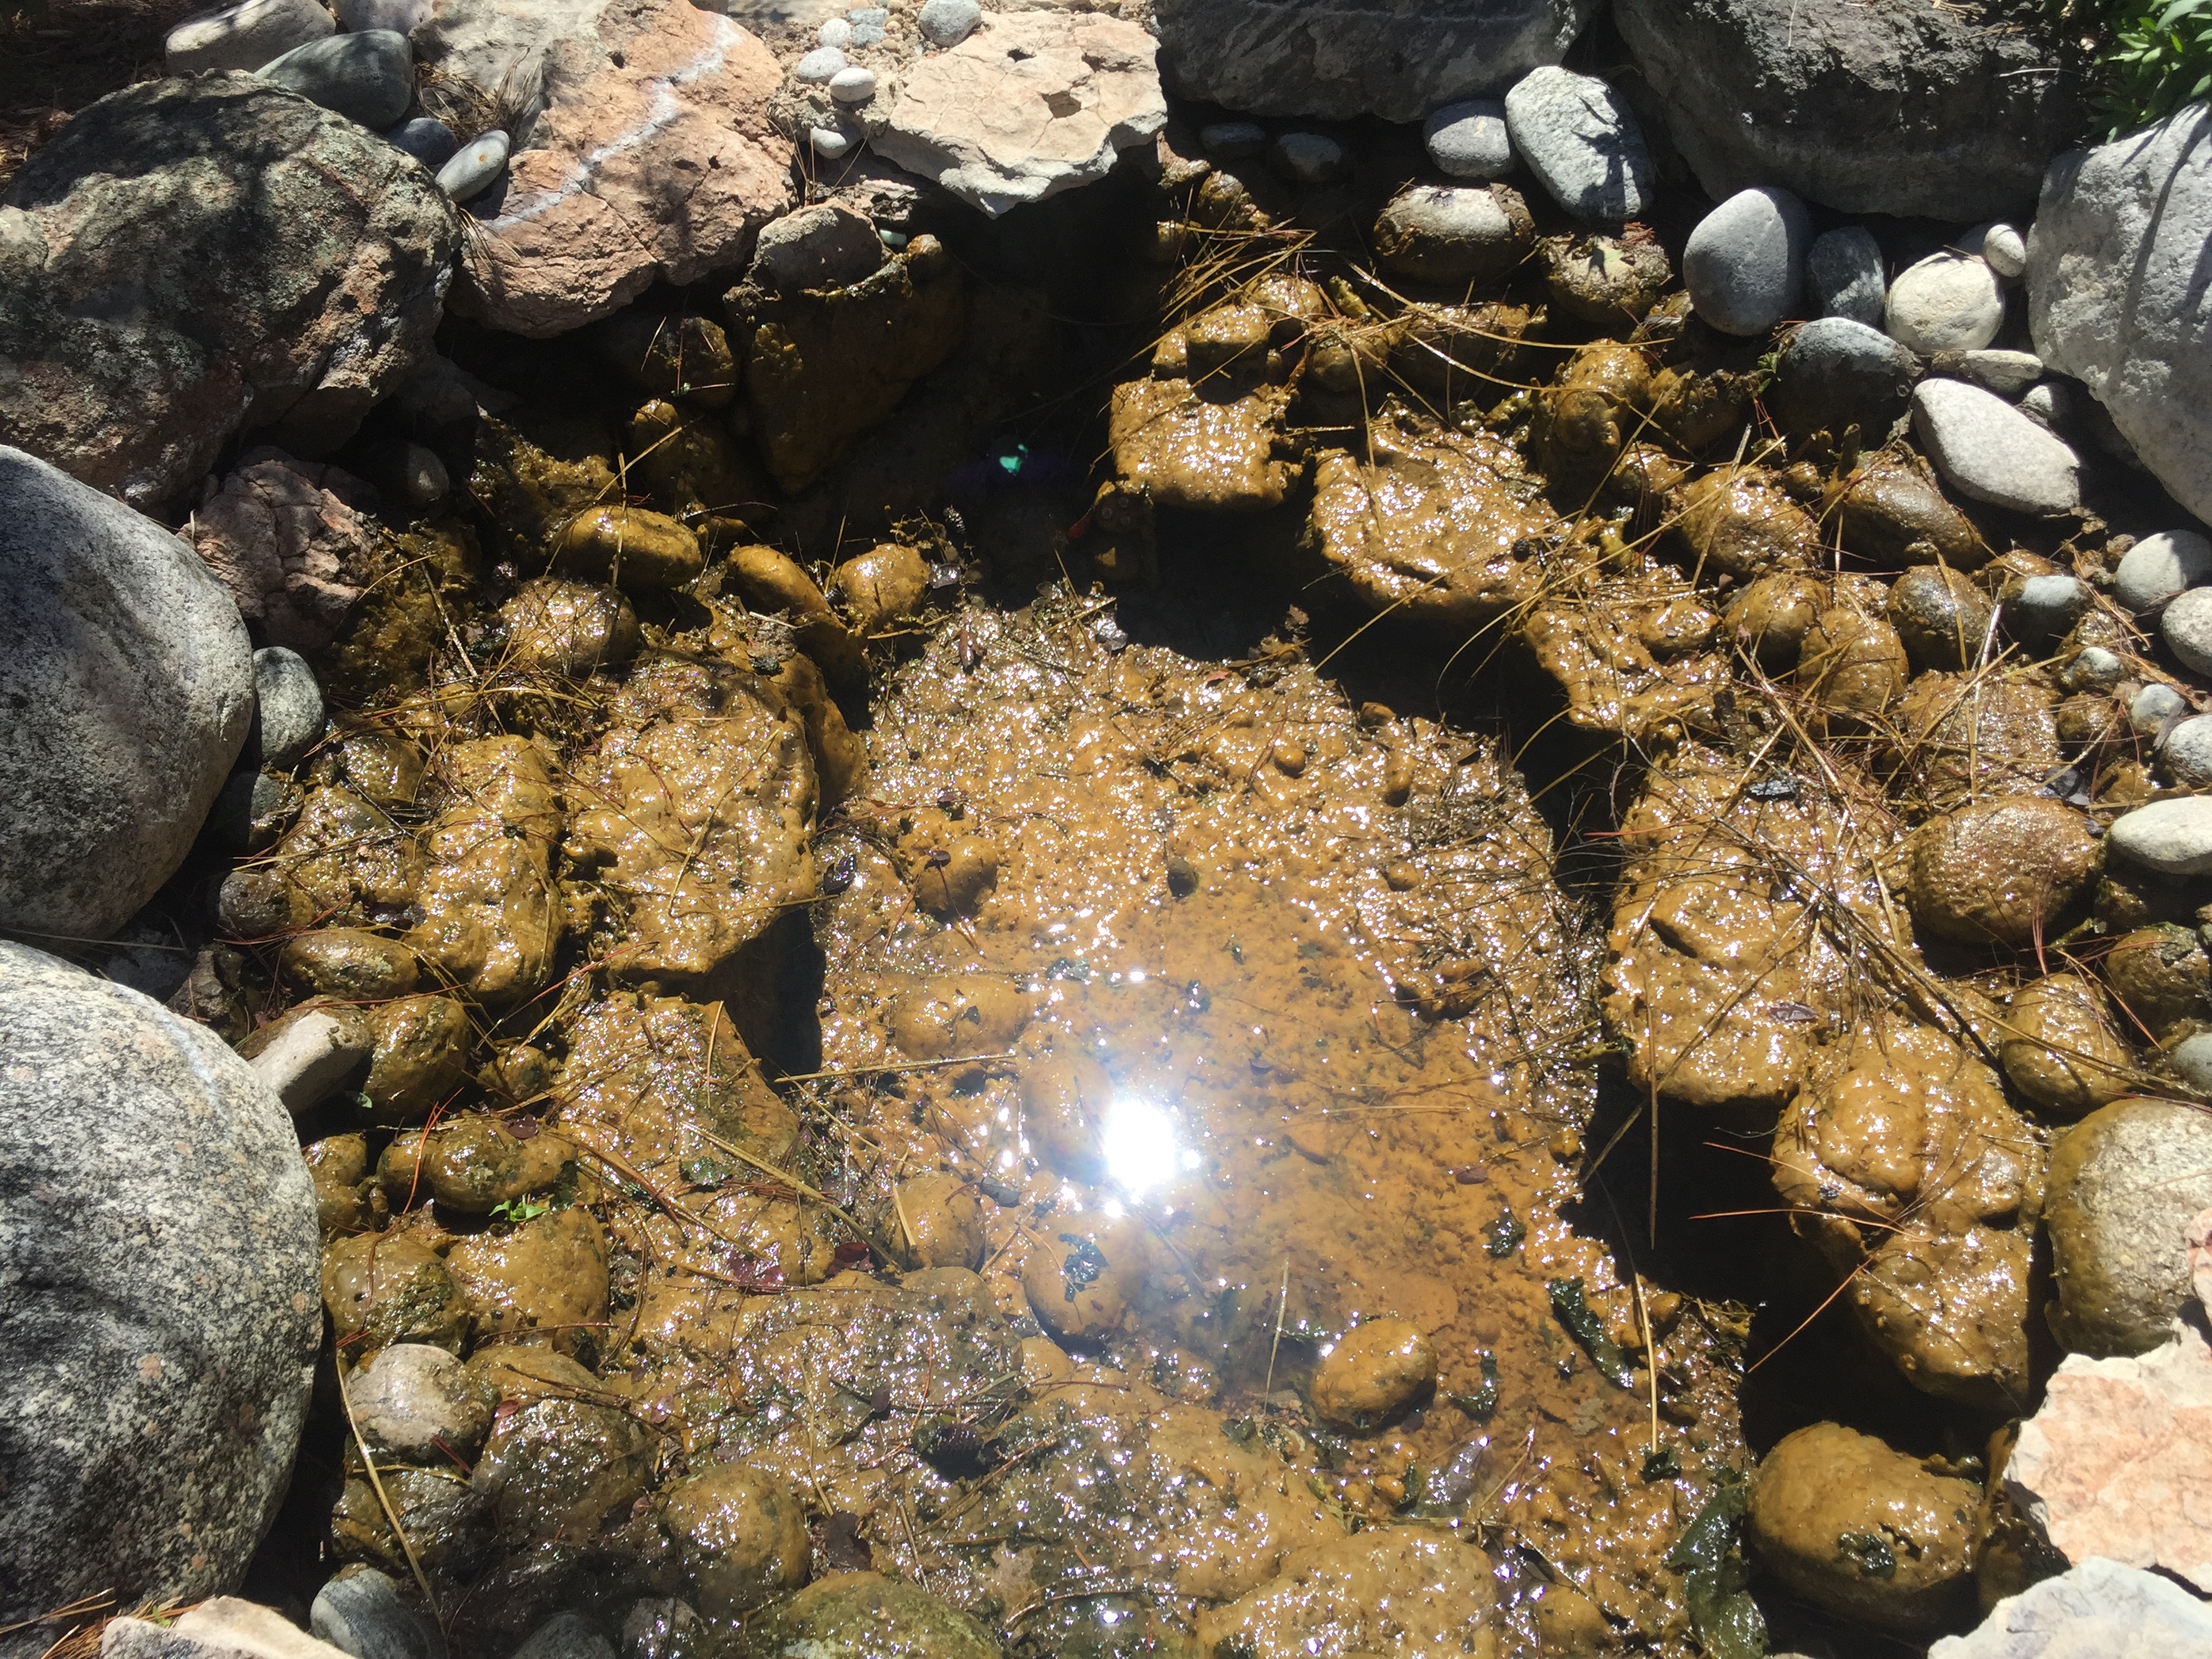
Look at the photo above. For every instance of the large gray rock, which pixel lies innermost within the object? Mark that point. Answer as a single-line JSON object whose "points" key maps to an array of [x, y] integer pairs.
{"points": [[158, 1294], [128, 681], [189, 256], [2117, 295], [244, 36], [1989, 450], [2098, 1609], [1887, 106], [1031, 104], [2173, 837], [1745, 262], [1581, 140], [1333, 59]]}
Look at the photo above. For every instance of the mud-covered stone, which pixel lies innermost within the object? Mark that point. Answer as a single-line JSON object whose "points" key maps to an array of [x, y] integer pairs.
{"points": [[383, 1288], [860, 1616], [2160, 976], [548, 1275], [1941, 617], [491, 918], [741, 1537], [568, 629], [1376, 1368], [1901, 1125], [2005, 872], [1738, 522], [417, 1403], [1383, 1586], [1890, 512], [421, 1056], [1864, 1531], [1852, 665], [2061, 1046], [158, 1229]]}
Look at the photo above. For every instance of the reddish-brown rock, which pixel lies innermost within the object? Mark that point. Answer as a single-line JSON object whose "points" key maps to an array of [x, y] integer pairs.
{"points": [[654, 161], [2119, 1461], [279, 536]]}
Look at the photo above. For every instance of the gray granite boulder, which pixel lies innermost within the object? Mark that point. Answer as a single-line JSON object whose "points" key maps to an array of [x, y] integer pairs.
{"points": [[2098, 1609], [128, 681], [1885, 106], [2117, 295], [367, 77], [190, 257], [158, 1295], [1333, 59]]}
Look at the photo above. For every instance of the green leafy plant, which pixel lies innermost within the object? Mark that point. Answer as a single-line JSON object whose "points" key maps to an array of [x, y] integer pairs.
{"points": [[520, 1209], [2150, 56]]}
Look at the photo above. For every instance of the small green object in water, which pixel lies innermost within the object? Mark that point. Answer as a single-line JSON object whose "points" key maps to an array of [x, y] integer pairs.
{"points": [[1728, 1622], [520, 1209], [1662, 1464], [1505, 1233], [1871, 1552], [1482, 1404], [1582, 1324]]}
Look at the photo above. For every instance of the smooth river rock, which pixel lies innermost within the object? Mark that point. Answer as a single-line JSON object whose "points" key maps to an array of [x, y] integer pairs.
{"points": [[367, 77], [158, 1260], [1031, 104], [2159, 567], [129, 682], [1845, 271], [1470, 140], [283, 268], [1581, 140], [244, 36], [2187, 628], [1334, 59], [1745, 263], [2116, 295], [1989, 450], [2173, 837], [1837, 374], [1946, 302], [1453, 233]]}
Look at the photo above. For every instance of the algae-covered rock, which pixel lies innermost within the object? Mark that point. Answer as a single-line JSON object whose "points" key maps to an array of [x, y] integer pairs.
{"points": [[863, 1615], [1738, 522], [1853, 666], [2005, 871], [1942, 618], [350, 964], [548, 1275], [491, 919], [420, 1058], [1375, 1370], [1904, 1130], [631, 547], [1771, 616], [1966, 737], [1429, 524], [1199, 447], [1864, 1531], [2063, 1047], [2161, 977], [559, 1468], [1891, 513], [569, 628], [943, 1222], [741, 1537], [472, 1164], [383, 1288], [2125, 1183], [1387, 1589], [1084, 1272]]}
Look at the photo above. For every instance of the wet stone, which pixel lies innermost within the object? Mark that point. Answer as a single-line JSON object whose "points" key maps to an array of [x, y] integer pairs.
{"points": [[349, 964], [2125, 1183], [1861, 1530], [566, 1636], [1941, 617], [383, 1288], [1453, 233], [2003, 871], [1377, 1369], [413, 1398], [361, 1612], [1839, 374], [741, 1537]]}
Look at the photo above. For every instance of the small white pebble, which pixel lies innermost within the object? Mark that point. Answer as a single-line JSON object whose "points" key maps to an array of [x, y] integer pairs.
{"points": [[2006, 250], [819, 66], [853, 86], [836, 33], [829, 142]]}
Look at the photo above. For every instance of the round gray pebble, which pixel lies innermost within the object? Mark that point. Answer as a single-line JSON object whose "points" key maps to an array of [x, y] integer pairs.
{"points": [[423, 476], [1233, 141], [853, 86], [2007, 374], [472, 171], [1308, 158], [829, 143], [431, 142], [2191, 1062], [2187, 751], [1947, 302], [1468, 140], [2159, 567], [948, 23], [288, 709], [2094, 669], [1745, 262], [1845, 271], [363, 1615], [2154, 706], [2004, 249], [819, 67], [2187, 626], [2045, 607], [2173, 837]]}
